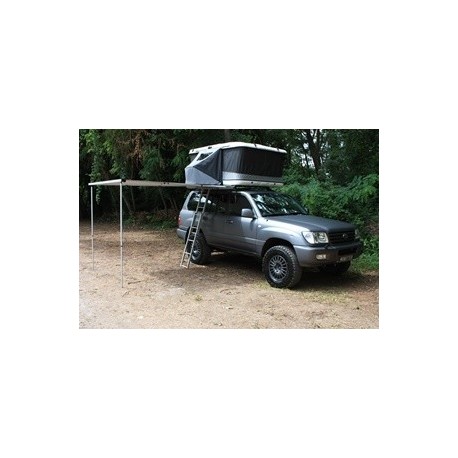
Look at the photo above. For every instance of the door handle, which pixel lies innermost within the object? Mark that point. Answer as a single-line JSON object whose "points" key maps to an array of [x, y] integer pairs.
{"points": [[229, 221]]}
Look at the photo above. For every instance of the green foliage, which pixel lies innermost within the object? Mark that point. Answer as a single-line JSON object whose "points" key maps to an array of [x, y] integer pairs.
{"points": [[357, 203], [351, 153], [369, 259], [335, 154]]}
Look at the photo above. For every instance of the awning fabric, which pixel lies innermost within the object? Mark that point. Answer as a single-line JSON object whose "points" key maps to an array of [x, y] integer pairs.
{"points": [[156, 184]]}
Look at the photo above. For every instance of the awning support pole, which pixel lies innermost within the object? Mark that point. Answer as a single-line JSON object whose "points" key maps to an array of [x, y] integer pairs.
{"points": [[92, 227], [120, 229]]}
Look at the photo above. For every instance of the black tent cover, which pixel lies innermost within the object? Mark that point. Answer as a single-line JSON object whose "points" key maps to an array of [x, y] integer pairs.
{"points": [[236, 164]]}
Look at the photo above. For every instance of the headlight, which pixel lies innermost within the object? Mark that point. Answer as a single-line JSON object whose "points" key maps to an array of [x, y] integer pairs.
{"points": [[357, 235], [315, 237]]}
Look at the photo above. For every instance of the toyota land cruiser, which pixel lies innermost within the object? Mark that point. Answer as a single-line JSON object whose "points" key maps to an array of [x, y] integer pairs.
{"points": [[272, 226]]}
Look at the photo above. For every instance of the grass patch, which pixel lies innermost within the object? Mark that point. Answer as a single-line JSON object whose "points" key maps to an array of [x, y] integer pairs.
{"points": [[366, 262]]}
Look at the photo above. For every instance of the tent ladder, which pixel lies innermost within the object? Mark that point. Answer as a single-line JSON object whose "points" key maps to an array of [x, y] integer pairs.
{"points": [[195, 226]]}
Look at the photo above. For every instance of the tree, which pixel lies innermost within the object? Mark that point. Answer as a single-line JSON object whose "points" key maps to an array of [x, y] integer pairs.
{"points": [[351, 153], [313, 138]]}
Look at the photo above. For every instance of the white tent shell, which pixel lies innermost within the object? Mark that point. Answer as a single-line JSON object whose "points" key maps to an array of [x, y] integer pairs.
{"points": [[236, 164]]}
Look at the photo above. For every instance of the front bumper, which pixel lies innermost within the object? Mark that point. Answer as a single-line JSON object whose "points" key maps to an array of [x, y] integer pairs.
{"points": [[311, 256]]}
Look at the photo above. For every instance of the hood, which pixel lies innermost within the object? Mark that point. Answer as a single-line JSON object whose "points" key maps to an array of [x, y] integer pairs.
{"points": [[313, 223]]}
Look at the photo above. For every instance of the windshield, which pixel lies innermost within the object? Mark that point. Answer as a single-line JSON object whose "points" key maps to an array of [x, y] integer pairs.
{"points": [[274, 204]]}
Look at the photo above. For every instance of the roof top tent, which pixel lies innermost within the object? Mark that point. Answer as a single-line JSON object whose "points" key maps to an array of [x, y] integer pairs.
{"points": [[236, 164]]}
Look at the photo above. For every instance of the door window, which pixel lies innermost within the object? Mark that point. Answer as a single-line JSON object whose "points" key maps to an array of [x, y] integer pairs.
{"points": [[238, 204]]}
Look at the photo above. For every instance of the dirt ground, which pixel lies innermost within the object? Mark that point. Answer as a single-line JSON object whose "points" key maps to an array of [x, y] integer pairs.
{"points": [[230, 292]]}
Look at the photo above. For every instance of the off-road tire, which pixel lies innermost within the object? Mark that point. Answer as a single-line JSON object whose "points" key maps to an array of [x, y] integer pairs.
{"points": [[281, 267], [201, 252]]}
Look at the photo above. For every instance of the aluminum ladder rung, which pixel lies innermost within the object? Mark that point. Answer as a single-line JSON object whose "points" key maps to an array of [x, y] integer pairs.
{"points": [[194, 229]]}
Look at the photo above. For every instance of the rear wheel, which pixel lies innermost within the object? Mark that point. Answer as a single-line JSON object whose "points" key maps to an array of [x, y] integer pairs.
{"points": [[281, 267], [201, 252]]}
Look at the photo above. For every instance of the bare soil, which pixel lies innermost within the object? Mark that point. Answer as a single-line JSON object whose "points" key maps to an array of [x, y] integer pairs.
{"points": [[230, 292]]}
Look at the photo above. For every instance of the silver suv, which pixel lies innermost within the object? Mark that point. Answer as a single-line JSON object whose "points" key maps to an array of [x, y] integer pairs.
{"points": [[271, 226]]}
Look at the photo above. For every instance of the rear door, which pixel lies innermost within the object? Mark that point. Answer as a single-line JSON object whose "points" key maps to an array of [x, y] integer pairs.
{"points": [[213, 222]]}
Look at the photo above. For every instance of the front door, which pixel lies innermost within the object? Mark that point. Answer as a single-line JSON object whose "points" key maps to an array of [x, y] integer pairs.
{"points": [[240, 231]]}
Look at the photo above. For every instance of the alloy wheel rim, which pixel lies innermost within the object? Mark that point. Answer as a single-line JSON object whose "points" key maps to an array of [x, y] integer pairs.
{"points": [[278, 268], [196, 250]]}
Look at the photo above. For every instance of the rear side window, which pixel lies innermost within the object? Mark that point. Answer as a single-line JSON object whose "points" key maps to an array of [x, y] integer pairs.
{"points": [[194, 200]]}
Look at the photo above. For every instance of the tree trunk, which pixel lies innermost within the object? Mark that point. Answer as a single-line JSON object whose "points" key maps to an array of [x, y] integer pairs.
{"points": [[227, 135], [314, 147]]}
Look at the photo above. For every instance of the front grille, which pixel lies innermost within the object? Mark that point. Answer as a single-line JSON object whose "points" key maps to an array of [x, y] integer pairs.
{"points": [[341, 237]]}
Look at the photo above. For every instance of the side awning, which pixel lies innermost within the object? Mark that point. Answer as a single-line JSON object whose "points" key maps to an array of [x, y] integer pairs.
{"points": [[155, 184]]}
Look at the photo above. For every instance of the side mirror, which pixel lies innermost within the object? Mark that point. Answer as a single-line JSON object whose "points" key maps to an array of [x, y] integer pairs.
{"points": [[247, 213]]}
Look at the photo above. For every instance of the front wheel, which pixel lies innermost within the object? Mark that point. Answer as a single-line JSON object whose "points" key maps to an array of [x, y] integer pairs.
{"points": [[281, 267]]}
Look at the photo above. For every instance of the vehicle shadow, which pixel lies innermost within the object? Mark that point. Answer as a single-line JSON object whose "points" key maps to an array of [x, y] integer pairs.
{"points": [[312, 279], [315, 280], [222, 271], [248, 266]]}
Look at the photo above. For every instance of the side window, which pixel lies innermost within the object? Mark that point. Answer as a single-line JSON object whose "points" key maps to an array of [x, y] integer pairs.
{"points": [[217, 203], [222, 203], [193, 201], [238, 204]]}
